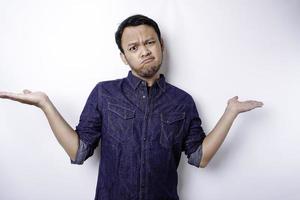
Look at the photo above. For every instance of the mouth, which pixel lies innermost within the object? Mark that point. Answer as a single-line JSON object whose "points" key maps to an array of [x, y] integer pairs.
{"points": [[147, 60]]}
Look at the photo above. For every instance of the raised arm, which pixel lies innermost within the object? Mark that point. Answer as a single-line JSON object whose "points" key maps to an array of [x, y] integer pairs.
{"points": [[215, 138], [66, 136]]}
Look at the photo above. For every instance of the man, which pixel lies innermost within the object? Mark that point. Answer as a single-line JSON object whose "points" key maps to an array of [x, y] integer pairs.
{"points": [[142, 122]]}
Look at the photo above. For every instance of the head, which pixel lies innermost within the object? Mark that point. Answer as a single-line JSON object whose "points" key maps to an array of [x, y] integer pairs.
{"points": [[141, 46]]}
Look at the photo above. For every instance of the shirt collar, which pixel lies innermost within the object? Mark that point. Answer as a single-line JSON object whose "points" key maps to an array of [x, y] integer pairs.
{"points": [[135, 81]]}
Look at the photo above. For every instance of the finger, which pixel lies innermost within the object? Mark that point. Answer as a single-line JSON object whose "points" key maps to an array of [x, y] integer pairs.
{"points": [[25, 91], [233, 98], [1, 94], [255, 103], [259, 104], [5, 94], [10, 95]]}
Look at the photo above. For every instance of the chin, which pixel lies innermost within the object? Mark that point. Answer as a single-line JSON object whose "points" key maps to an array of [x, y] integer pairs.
{"points": [[149, 73]]}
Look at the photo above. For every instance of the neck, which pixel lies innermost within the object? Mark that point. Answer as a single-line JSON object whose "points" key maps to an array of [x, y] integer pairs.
{"points": [[150, 81]]}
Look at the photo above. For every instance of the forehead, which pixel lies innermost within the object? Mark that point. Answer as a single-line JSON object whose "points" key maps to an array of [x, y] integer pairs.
{"points": [[134, 33]]}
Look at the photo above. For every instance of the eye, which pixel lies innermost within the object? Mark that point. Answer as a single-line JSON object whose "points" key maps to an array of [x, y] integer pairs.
{"points": [[133, 48], [150, 42]]}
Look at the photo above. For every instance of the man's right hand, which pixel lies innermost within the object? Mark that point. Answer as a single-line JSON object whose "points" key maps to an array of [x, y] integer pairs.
{"points": [[38, 99], [64, 133]]}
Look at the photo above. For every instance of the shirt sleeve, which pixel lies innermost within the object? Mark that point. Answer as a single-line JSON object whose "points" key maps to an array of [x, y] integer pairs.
{"points": [[193, 139], [195, 158], [89, 127], [83, 152]]}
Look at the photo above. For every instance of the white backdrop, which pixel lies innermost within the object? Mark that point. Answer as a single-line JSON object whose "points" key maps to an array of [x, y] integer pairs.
{"points": [[215, 50]]}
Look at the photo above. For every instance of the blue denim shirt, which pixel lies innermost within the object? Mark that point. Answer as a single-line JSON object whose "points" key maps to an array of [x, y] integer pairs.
{"points": [[142, 131]]}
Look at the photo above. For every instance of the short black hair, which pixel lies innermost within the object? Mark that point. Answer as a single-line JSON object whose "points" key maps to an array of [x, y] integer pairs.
{"points": [[135, 20]]}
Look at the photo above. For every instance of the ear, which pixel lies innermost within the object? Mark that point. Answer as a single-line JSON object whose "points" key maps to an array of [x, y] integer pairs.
{"points": [[123, 57], [162, 44]]}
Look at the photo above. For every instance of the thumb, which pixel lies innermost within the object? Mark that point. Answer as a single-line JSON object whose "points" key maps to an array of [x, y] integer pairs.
{"points": [[235, 97], [26, 91]]}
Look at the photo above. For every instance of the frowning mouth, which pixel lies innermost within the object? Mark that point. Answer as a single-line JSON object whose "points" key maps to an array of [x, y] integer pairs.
{"points": [[147, 60]]}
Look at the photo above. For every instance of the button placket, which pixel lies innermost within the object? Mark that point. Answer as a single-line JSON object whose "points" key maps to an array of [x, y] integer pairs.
{"points": [[144, 89], [145, 100]]}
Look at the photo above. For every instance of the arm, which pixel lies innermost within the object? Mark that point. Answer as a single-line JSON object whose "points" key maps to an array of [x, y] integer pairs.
{"points": [[66, 136], [215, 138]]}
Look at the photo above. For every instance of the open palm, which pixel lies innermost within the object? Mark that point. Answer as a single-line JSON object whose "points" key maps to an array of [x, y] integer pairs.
{"points": [[27, 97], [242, 106]]}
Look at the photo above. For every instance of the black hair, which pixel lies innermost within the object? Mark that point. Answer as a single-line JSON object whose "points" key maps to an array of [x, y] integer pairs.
{"points": [[135, 20]]}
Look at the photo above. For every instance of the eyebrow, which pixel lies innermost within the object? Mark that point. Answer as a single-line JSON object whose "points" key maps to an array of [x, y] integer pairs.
{"points": [[133, 43]]}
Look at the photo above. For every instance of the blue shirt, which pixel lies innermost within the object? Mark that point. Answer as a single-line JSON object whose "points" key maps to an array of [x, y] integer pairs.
{"points": [[142, 131]]}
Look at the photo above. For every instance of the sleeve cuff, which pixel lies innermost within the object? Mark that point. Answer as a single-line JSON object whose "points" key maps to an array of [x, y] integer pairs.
{"points": [[195, 158], [83, 152]]}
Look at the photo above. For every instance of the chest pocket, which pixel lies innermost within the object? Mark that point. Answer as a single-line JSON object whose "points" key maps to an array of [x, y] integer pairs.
{"points": [[120, 122], [172, 125]]}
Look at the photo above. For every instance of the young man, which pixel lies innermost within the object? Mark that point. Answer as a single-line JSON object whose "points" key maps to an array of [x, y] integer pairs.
{"points": [[142, 122]]}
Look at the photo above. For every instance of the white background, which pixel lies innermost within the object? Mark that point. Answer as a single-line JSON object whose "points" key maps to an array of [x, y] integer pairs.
{"points": [[214, 50]]}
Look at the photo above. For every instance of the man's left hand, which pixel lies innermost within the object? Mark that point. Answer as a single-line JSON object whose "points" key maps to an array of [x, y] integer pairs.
{"points": [[237, 107]]}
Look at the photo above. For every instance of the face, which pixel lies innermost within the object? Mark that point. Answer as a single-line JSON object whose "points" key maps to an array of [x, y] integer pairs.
{"points": [[142, 50]]}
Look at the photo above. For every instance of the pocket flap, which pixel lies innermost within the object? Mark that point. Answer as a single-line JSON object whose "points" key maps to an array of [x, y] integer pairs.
{"points": [[172, 117], [125, 113]]}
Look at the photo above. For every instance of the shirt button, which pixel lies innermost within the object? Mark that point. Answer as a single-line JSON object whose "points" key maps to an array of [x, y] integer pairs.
{"points": [[145, 138], [144, 96]]}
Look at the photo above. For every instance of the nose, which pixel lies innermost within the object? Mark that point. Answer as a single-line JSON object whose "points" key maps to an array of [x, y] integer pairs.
{"points": [[145, 51]]}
